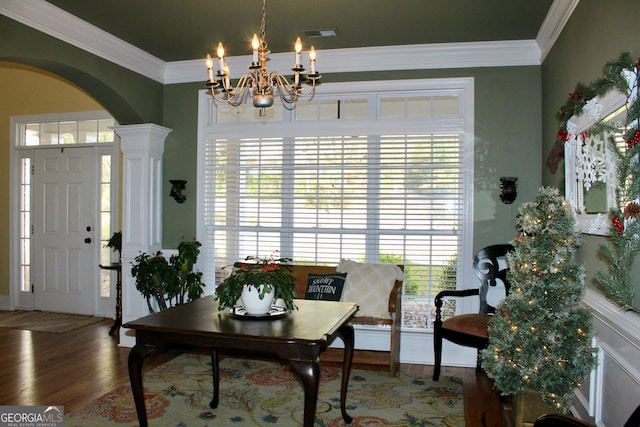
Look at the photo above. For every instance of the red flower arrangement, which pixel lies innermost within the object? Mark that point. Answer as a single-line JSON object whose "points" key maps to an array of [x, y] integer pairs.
{"points": [[272, 272]]}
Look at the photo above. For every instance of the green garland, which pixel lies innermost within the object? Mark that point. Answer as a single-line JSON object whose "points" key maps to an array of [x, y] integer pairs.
{"points": [[624, 241]]}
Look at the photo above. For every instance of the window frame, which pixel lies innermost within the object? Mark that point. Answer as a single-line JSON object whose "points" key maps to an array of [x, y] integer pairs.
{"points": [[461, 87]]}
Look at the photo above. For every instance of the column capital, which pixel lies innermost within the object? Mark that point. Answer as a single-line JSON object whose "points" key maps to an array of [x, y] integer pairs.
{"points": [[146, 137]]}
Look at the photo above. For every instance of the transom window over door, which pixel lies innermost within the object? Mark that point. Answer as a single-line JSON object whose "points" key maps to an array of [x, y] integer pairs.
{"points": [[319, 192]]}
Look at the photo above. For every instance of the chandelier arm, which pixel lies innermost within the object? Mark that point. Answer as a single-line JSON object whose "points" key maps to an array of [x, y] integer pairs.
{"points": [[290, 106], [237, 98], [294, 93], [245, 82], [286, 91], [309, 93], [218, 98], [234, 96], [231, 100], [288, 99]]}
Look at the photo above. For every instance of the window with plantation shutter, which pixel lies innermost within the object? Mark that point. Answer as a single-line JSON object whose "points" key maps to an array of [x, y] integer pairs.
{"points": [[318, 192]]}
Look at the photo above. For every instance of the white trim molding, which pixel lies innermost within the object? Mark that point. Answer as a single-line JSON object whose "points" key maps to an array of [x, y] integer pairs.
{"points": [[610, 395], [408, 57], [553, 24], [51, 20]]}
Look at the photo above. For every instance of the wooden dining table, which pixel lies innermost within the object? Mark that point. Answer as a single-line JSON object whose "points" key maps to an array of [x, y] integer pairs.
{"points": [[297, 337]]}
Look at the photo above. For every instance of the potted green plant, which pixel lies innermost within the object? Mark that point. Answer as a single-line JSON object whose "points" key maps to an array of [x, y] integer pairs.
{"points": [[115, 243], [266, 278], [169, 282]]}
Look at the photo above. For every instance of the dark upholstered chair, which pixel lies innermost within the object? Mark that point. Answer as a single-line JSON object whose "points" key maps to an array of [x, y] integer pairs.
{"points": [[470, 330], [561, 420]]}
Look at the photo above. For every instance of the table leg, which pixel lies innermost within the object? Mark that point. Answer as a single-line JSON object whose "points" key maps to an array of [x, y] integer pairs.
{"points": [[309, 374], [116, 324], [216, 379], [118, 320], [137, 356], [348, 337]]}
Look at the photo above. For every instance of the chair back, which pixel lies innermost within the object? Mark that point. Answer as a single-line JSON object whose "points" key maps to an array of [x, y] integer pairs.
{"points": [[490, 265]]}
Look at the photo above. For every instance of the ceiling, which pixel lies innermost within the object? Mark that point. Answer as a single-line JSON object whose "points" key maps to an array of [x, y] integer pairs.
{"points": [[174, 30]]}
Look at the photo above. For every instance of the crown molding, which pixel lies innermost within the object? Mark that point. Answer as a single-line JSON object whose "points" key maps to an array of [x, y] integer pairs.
{"points": [[57, 23], [408, 57], [51, 20], [557, 17]]}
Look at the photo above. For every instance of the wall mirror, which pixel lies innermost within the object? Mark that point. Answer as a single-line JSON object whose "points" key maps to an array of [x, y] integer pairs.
{"points": [[590, 164], [600, 135]]}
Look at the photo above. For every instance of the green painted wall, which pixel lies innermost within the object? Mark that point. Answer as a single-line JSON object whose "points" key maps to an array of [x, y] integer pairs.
{"points": [[180, 157], [130, 97], [597, 32]]}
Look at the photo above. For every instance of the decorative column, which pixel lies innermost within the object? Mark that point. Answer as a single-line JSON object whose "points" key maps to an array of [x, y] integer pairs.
{"points": [[142, 148]]}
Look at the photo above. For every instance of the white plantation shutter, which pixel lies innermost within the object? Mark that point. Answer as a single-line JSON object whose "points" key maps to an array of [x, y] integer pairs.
{"points": [[378, 197]]}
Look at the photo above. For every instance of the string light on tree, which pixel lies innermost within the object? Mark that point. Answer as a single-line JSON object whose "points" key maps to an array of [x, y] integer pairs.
{"points": [[522, 355]]}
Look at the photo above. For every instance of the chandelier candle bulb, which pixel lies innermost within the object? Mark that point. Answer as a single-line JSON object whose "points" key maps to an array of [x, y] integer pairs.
{"points": [[255, 44], [209, 62], [312, 59], [221, 57], [298, 47], [226, 76]]}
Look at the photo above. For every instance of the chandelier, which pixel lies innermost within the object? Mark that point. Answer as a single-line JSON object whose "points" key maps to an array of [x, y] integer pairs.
{"points": [[259, 82]]}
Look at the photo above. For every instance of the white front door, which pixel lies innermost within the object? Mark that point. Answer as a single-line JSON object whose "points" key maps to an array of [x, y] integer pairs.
{"points": [[64, 266]]}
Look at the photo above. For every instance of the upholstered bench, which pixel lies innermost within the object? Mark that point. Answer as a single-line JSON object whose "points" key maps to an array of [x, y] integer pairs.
{"points": [[374, 310]]}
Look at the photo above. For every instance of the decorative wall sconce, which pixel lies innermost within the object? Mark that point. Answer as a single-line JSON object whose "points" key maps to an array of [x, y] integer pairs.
{"points": [[177, 185], [508, 186]]}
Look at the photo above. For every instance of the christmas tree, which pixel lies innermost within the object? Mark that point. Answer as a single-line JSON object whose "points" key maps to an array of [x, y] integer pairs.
{"points": [[540, 337]]}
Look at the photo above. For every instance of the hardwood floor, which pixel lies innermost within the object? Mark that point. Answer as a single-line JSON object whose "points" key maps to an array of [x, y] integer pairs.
{"points": [[76, 367]]}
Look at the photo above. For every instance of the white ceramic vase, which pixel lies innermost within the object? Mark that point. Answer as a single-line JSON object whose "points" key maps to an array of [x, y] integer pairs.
{"points": [[251, 300]]}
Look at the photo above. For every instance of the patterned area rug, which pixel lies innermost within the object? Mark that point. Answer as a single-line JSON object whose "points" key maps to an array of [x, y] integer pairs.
{"points": [[44, 321], [262, 393]]}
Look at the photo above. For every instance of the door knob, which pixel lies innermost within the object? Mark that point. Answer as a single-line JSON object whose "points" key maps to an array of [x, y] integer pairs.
{"points": [[87, 240]]}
